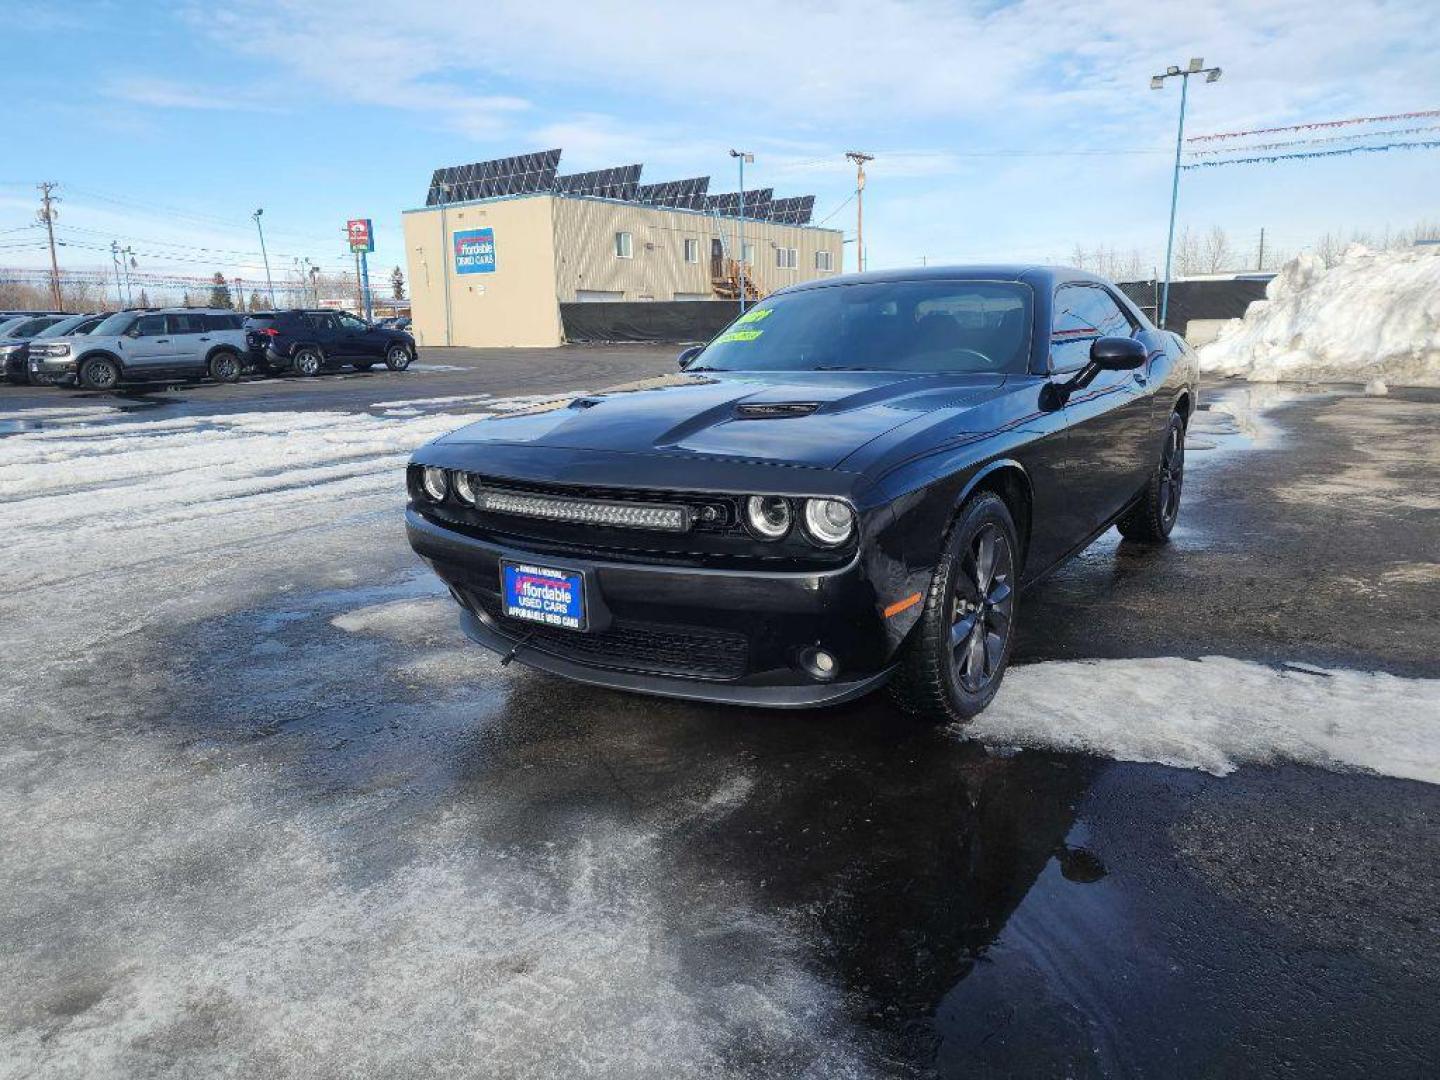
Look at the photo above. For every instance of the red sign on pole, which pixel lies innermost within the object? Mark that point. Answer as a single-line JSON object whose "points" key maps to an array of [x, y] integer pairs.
{"points": [[362, 235]]}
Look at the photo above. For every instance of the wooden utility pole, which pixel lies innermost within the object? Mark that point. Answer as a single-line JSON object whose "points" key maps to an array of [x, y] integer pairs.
{"points": [[47, 215], [859, 157]]}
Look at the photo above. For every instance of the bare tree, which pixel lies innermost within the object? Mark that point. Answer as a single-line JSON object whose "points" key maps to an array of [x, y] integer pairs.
{"points": [[1217, 250]]}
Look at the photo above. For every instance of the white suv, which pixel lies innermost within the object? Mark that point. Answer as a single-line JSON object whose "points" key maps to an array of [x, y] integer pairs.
{"points": [[140, 346]]}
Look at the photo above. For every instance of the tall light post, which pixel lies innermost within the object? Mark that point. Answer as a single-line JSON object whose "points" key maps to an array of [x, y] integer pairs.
{"points": [[269, 282], [742, 156], [446, 253], [1157, 82]]}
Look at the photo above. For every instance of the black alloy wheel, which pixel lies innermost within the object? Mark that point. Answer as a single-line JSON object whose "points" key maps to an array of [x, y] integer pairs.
{"points": [[957, 653], [982, 609], [308, 361], [1152, 518], [397, 357], [225, 367], [100, 373]]}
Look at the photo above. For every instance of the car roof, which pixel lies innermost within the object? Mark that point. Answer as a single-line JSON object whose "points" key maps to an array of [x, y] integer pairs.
{"points": [[1036, 275]]}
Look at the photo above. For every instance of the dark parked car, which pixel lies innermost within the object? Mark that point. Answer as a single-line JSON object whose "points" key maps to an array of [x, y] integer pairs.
{"points": [[15, 337], [308, 342], [395, 322], [849, 486]]}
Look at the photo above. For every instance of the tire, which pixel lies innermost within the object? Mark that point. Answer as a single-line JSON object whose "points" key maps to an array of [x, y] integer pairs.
{"points": [[308, 361], [99, 373], [363, 365], [1150, 520], [226, 367], [955, 660], [397, 358]]}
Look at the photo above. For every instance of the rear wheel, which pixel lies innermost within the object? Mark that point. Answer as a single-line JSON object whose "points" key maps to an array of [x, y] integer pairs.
{"points": [[397, 358], [225, 367], [99, 373], [308, 361], [957, 655], [1152, 518]]}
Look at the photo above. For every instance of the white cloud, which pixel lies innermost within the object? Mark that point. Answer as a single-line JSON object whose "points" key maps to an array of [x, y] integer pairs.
{"points": [[162, 93]]}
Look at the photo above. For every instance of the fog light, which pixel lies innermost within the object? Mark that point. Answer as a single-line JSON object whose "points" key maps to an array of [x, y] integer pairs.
{"points": [[434, 483], [819, 664]]}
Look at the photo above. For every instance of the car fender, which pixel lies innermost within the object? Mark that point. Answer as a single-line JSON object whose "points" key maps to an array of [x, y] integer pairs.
{"points": [[224, 346], [108, 354]]}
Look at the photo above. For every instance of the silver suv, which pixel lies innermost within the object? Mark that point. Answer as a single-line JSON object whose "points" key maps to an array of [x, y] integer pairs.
{"points": [[139, 346]]}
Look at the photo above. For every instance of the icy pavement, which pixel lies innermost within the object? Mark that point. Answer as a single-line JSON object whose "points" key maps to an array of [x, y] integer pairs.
{"points": [[267, 813]]}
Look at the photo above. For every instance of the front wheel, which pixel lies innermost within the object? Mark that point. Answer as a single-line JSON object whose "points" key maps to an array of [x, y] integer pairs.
{"points": [[1152, 518], [225, 367], [397, 358], [308, 361], [99, 373], [957, 654]]}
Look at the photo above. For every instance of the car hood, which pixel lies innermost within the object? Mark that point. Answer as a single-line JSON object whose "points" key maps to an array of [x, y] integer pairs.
{"points": [[723, 414]]}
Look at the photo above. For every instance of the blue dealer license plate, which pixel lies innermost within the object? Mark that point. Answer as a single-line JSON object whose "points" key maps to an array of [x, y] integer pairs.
{"points": [[542, 594]]}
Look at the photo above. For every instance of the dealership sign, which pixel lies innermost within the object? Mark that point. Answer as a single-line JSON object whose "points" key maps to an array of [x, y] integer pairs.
{"points": [[475, 251], [361, 234]]}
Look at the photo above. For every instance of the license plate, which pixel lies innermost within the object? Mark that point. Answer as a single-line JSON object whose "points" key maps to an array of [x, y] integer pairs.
{"points": [[543, 594]]}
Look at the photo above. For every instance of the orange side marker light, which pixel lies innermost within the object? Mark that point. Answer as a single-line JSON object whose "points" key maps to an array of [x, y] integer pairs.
{"points": [[902, 605]]}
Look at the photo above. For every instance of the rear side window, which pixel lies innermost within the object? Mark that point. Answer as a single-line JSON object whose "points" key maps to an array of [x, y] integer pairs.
{"points": [[186, 324], [321, 321], [222, 322], [1084, 313]]}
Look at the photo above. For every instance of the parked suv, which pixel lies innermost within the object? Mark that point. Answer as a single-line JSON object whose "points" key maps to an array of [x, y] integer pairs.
{"points": [[15, 335], [308, 342], [141, 345]]}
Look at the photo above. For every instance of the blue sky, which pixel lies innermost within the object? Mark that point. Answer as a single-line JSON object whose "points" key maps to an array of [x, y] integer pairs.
{"points": [[1001, 131]]}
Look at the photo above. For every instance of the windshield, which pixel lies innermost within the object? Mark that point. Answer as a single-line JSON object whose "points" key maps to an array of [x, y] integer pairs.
{"points": [[963, 326], [115, 324], [64, 326]]}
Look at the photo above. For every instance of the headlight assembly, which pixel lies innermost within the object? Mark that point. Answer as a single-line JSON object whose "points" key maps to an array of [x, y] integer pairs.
{"points": [[434, 482], [768, 516], [828, 522], [464, 489]]}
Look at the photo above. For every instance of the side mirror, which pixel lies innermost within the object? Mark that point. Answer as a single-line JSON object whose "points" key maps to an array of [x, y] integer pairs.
{"points": [[683, 360], [1117, 354]]}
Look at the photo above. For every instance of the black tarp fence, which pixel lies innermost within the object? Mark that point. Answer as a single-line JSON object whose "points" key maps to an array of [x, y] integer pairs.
{"points": [[700, 320], [1196, 299], [647, 320]]}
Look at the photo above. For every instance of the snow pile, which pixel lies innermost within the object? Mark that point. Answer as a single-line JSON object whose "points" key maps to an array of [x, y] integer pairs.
{"points": [[1218, 713], [1375, 316]]}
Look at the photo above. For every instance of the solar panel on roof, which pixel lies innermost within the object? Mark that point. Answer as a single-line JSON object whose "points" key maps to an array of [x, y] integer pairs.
{"points": [[757, 203], [680, 194], [616, 183], [793, 211], [519, 175]]}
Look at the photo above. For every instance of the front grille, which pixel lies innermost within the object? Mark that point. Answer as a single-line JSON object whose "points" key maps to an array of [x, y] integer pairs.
{"points": [[650, 648]]}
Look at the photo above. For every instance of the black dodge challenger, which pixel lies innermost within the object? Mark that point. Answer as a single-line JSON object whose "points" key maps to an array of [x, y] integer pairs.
{"points": [[850, 486]]}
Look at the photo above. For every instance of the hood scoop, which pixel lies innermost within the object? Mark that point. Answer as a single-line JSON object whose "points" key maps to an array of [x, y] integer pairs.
{"points": [[775, 410]]}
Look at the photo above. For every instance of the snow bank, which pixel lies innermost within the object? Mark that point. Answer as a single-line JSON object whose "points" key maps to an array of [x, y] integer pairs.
{"points": [[1373, 317], [1218, 713]]}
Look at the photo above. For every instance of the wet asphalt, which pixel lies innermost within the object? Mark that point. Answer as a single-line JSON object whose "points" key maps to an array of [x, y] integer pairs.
{"points": [[312, 832]]}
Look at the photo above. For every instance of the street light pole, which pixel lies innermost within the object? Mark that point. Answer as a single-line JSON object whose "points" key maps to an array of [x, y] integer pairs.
{"points": [[741, 156], [446, 249], [269, 282], [1157, 82]]}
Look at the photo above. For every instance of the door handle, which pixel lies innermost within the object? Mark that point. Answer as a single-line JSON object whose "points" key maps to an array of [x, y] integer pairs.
{"points": [[162, 341], [204, 339]]}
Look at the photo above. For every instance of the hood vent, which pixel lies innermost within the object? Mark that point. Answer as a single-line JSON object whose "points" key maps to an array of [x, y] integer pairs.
{"points": [[775, 410]]}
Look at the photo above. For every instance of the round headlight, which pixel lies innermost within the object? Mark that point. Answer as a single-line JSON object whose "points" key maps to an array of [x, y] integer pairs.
{"points": [[828, 522], [464, 489], [435, 483], [768, 516]]}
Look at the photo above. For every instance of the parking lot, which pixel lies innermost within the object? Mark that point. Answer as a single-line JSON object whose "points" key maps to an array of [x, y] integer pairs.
{"points": [[268, 813]]}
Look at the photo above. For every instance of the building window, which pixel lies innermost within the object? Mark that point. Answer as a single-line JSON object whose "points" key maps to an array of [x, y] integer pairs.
{"points": [[692, 251], [785, 258], [824, 261], [624, 246]]}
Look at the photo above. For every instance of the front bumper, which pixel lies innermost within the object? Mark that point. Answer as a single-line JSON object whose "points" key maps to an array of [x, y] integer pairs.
{"points": [[56, 370], [731, 636]]}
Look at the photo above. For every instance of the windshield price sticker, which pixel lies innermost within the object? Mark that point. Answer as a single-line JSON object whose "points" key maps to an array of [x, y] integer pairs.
{"points": [[753, 316], [739, 335]]}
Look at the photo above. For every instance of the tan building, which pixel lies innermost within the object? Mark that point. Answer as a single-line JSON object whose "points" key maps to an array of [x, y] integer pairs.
{"points": [[490, 265]]}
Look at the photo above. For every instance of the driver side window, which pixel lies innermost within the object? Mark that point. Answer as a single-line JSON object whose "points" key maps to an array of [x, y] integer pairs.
{"points": [[1083, 313], [148, 326]]}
